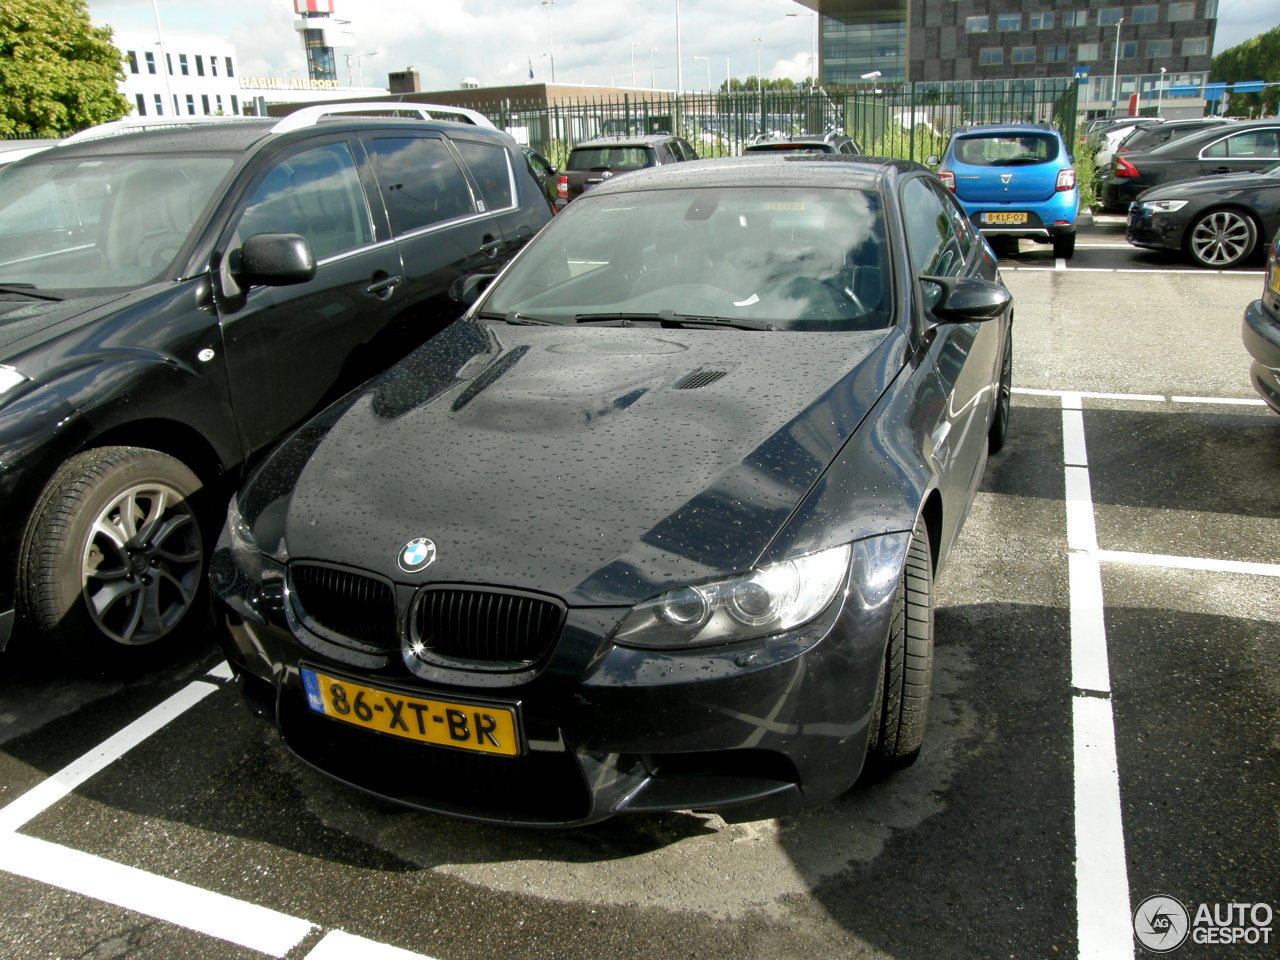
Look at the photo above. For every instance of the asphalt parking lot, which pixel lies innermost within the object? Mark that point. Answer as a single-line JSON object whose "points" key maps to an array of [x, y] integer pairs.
{"points": [[1104, 729]]}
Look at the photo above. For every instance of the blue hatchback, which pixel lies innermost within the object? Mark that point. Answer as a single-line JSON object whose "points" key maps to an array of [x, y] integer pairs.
{"points": [[1015, 180]]}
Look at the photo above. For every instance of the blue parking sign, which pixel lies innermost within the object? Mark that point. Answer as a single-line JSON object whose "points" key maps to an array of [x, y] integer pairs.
{"points": [[1080, 74]]}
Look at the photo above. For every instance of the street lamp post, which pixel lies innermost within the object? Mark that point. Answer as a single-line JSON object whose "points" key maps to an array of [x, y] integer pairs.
{"points": [[1160, 95], [813, 48], [679, 54], [1115, 69], [708, 59], [551, 42], [634, 44], [652, 51], [759, 69], [360, 64]]}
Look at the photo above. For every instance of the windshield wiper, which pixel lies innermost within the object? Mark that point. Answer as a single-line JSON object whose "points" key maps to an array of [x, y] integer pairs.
{"points": [[515, 318], [669, 318], [26, 290]]}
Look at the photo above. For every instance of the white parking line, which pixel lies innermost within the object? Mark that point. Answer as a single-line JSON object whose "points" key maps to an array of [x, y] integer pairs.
{"points": [[1191, 563], [204, 911], [1185, 270], [1143, 397]]}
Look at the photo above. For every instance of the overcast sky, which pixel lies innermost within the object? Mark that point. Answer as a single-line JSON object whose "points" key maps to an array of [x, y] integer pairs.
{"points": [[495, 41]]}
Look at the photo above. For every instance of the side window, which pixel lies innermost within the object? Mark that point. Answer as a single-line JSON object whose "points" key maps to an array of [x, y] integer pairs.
{"points": [[315, 193], [935, 247], [491, 170], [1250, 145], [421, 182]]}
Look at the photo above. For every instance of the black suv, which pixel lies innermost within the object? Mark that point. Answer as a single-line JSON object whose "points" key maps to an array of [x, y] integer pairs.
{"points": [[594, 161], [830, 142], [175, 299]]}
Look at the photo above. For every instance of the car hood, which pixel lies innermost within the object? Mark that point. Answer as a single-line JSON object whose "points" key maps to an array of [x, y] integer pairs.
{"points": [[1221, 183], [599, 465], [23, 320]]}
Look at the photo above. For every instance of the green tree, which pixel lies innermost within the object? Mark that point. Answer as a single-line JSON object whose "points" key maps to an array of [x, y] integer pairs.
{"points": [[1258, 58], [58, 72]]}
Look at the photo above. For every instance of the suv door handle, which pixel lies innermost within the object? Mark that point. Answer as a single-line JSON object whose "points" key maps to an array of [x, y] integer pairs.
{"points": [[490, 246], [382, 287]]}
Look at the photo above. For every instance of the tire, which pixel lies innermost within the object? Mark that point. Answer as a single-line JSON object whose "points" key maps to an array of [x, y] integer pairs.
{"points": [[114, 557], [1064, 245], [1221, 238], [999, 430], [901, 710]]}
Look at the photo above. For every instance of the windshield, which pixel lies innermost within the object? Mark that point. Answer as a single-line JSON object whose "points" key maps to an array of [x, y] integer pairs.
{"points": [[610, 158], [100, 223], [795, 258], [1006, 150]]}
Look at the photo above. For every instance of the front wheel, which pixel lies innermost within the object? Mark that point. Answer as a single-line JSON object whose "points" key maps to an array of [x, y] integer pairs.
{"points": [[1222, 238], [113, 559], [901, 710], [999, 430]]}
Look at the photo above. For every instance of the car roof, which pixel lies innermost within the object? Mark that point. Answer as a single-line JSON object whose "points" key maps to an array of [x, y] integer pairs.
{"points": [[1212, 132], [1012, 128], [623, 140], [236, 134], [765, 169]]}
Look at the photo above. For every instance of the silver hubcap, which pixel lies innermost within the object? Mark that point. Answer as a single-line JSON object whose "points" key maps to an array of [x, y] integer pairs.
{"points": [[142, 564], [1221, 238]]}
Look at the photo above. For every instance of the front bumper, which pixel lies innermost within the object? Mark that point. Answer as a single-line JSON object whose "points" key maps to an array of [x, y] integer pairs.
{"points": [[1162, 231], [751, 729], [1261, 335]]}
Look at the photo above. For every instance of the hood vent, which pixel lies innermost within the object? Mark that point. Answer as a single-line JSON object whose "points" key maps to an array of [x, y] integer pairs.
{"points": [[699, 379]]}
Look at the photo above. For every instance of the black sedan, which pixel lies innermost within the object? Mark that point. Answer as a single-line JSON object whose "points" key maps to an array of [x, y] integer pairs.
{"points": [[1261, 332], [1217, 221], [654, 526], [1245, 147]]}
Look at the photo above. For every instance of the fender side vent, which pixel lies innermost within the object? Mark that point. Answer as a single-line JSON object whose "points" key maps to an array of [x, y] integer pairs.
{"points": [[699, 379]]}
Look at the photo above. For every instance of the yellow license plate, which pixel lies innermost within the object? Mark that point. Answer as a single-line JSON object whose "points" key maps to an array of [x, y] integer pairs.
{"points": [[1001, 216], [1273, 278], [483, 728]]}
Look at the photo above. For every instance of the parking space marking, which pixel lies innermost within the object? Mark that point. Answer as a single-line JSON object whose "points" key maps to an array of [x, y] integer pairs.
{"points": [[1232, 401], [172, 901], [1191, 563], [39, 798], [1103, 925], [1193, 271], [223, 917], [1142, 397]]}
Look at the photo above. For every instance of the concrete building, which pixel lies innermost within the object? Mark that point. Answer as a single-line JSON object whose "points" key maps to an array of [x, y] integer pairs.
{"points": [[179, 76], [1151, 47]]}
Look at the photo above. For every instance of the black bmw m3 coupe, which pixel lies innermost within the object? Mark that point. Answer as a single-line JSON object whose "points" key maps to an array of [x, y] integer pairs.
{"points": [[654, 525]]}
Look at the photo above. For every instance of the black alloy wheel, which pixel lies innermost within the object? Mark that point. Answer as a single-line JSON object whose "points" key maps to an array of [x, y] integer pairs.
{"points": [[114, 558]]}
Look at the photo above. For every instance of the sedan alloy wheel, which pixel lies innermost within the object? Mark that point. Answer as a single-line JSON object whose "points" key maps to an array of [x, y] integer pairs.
{"points": [[1222, 238]]}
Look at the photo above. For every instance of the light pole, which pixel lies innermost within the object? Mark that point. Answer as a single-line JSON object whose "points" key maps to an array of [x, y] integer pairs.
{"points": [[551, 42], [634, 44], [1160, 95], [164, 59], [679, 55], [759, 69], [652, 51], [708, 59], [1115, 69], [360, 64], [813, 48]]}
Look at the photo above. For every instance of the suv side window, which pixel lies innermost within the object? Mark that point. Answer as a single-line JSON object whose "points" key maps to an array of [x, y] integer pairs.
{"points": [[315, 193], [932, 239], [491, 170], [421, 182]]}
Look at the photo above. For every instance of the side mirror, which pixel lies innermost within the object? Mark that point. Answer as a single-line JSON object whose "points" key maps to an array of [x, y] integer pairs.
{"points": [[967, 299], [275, 260], [932, 160], [467, 289]]}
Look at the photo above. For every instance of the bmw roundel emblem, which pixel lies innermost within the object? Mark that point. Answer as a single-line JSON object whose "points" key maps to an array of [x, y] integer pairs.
{"points": [[416, 555]]}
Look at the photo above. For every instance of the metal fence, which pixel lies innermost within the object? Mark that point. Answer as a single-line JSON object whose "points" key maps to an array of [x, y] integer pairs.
{"points": [[910, 121]]}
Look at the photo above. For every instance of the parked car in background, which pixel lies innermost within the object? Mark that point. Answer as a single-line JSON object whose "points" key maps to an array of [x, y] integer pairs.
{"points": [[1261, 333], [594, 161], [806, 143], [176, 298], [1241, 147], [544, 172], [1015, 181], [1144, 139], [640, 532], [1220, 221], [1108, 139]]}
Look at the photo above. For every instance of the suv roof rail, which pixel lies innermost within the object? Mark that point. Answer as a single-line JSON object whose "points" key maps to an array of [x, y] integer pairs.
{"points": [[132, 124], [309, 116]]}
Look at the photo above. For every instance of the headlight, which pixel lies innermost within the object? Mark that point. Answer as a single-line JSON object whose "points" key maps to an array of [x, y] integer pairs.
{"points": [[9, 378], [244, 548], [1163, 206], [768, 599]]}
